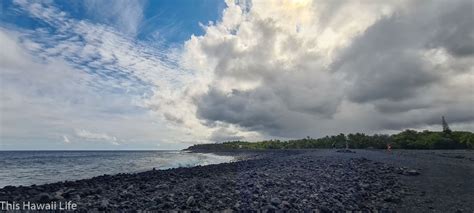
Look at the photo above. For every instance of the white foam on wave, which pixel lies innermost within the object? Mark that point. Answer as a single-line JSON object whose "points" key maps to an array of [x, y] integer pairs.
{"points": [[186, 159], [216, 159]]}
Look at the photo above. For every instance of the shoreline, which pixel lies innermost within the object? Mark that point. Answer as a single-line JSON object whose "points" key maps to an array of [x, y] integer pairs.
{"points": [[271, 180], [45, 167]]}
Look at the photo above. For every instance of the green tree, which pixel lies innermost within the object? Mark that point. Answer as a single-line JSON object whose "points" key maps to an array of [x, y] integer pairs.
{"points": [[446, 128]]}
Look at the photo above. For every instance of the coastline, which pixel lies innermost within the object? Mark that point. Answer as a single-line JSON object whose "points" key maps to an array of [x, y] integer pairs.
{"points": [[42, 167], [323, 180]]}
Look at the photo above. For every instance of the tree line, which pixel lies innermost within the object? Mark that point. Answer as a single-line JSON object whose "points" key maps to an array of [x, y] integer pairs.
{"points": [[408, 139]]}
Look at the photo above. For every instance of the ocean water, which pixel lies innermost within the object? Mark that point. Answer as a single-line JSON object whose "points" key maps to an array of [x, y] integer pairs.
{"points": [[39, 167]]}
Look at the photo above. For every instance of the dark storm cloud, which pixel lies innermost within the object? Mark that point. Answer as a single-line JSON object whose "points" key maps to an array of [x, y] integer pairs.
{"points": [[456, 30], [250, 110], [261, 110], [382, 63], [385, 62]]}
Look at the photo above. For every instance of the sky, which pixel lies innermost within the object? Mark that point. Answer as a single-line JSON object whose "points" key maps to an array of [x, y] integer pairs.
{"points": [[138, 74]]}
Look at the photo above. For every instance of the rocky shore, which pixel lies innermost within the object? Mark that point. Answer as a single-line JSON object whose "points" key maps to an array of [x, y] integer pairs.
{"points": [[283, 180]]}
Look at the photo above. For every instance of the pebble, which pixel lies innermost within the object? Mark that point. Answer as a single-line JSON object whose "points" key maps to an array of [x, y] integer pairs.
{"points": [[412, 172], [275, 201], [43, 198], [190, 201]]}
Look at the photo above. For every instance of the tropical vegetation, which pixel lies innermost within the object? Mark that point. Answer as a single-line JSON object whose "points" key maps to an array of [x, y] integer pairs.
{"points": [[408, 139]]}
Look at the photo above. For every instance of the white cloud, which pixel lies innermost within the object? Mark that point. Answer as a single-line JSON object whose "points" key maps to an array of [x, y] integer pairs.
{"points": [[43, 100], [66, 139], [96, 136], [102, 79], [122, 62], [125, 15]]}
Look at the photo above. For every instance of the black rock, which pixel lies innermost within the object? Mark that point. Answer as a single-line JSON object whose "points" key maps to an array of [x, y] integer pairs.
{"points": [[412, 172], [104, 204], [43, 198], [9, 188], [162, 186], [275, 201], [285, 204], [190, 201], [345, 151], [393, 199]]}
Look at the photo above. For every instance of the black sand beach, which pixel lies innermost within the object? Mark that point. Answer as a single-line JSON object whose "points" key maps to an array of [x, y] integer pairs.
{"points": [[324, 180]]}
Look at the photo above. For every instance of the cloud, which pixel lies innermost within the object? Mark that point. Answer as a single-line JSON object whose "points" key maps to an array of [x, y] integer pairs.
{"points": [[66, 139], [125, 15], [395, 45], [267, 69], [69, 73], [288, 69], [121, 62], [96, 136], [402, 67], [456, 31], [225, 134]]}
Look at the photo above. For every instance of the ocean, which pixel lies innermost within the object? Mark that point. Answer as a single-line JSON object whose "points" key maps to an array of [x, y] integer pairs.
{"points": [[40, 167]]}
